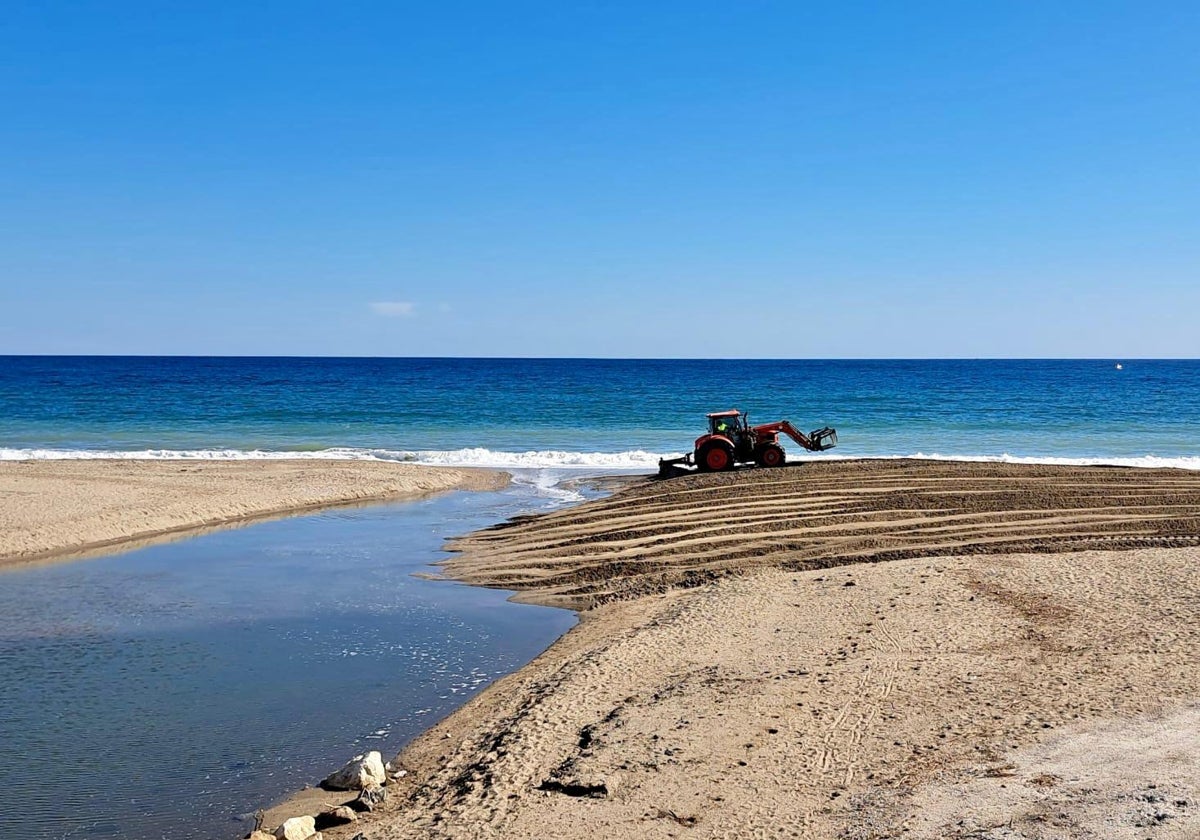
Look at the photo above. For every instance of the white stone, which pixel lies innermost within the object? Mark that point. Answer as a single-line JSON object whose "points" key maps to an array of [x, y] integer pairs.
{"points": [[297, 828], [359, 772]]}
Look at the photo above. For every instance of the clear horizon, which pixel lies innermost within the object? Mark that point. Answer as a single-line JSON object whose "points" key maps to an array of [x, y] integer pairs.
{"points": [[1115, 359], [534, 181]]}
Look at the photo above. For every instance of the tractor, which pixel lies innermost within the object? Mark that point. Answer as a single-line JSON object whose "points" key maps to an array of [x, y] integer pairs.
{"points": [[731, 440]]}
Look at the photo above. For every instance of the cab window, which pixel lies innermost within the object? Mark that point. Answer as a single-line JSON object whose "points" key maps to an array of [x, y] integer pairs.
{"points": [[722, 425]]}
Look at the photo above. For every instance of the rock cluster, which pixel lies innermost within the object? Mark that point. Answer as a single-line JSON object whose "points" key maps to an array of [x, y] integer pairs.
{"points": [[365, 773]]}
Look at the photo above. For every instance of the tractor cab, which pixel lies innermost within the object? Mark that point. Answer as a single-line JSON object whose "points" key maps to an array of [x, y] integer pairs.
{"points": [[730, 424]]}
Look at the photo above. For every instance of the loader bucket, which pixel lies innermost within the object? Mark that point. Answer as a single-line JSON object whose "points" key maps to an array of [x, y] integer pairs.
{"points": [[823, 439]]}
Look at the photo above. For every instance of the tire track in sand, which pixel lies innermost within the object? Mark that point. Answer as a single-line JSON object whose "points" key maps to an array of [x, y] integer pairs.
{"points": [[658, 535]]}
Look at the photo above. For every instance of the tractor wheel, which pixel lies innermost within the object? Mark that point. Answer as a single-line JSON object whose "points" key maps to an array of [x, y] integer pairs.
{"points": [[771, 456], [714, 457]]}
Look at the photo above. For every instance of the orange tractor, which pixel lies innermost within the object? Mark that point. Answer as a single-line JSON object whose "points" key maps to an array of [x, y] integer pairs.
{"points": [[732, 440]]}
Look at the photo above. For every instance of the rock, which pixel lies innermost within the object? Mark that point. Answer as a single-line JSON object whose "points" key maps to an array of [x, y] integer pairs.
{"points": [[370, 799], [359, 772], [259, 835], [341, 815], [297, 828]]}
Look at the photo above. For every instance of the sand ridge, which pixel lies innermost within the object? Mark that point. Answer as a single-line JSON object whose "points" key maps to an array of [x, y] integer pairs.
{"points": [[52, 509]]}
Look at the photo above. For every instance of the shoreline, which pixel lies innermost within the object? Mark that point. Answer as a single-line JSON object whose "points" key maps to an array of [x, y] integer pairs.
{"points": [[721, 698], [66, 510]]}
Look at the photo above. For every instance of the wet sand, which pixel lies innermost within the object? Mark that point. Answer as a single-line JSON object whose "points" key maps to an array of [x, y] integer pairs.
{"points": [[838, 650], [59, 509]]}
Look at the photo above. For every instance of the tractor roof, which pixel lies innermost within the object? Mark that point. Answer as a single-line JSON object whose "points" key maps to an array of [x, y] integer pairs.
{"points": [[733, 412]]}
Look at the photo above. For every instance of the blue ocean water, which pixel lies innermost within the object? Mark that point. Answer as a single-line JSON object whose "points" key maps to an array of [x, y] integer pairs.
{"points": [[598, 413]]}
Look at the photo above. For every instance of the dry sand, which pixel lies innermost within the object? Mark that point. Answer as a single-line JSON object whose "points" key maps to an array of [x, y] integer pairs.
{"points": [[1024, 665], [51, 509]]}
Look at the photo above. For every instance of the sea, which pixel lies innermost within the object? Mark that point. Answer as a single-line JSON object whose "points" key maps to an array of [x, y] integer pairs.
{"points": [[591, 413], [169, 691]]}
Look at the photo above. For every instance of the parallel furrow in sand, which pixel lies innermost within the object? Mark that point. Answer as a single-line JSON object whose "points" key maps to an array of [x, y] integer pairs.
{"points": [[616, 528], [649, 548], [602, 520], [575, 530], [583, 578], [805, 493], [860, 545], [778, 550], [664, 538], [521, 571], [571, 534], [647, 506], [810, 478], [968, 498], [685, 531], [904, 481]]}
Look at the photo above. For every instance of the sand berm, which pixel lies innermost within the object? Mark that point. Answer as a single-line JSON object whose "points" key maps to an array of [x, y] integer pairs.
{"points": [[871, 649], [58, 509]]}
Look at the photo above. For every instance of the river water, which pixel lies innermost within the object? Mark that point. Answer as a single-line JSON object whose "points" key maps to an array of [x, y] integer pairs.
{"points": [[171, 690]]}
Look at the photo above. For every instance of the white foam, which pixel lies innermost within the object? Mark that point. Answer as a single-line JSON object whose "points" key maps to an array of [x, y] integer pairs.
{"points": [[9, 454], [635, 459], [552, 459], [473, 457]]}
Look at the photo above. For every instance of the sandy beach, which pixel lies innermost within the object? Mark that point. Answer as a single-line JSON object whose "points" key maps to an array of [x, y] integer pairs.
{"points": [[836, 650], [860, 649], [53, 509]]}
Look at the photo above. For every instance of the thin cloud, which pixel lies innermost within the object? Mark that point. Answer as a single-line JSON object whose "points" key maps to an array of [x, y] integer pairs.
{"points": [[393, 308]]}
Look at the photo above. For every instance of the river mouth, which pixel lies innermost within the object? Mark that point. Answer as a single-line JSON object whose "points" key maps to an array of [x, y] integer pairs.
{"points": [[172, 690]]}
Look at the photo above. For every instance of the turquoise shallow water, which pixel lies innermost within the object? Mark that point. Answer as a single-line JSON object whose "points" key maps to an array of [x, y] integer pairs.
{"points": [[166, 692], [597, 413]]}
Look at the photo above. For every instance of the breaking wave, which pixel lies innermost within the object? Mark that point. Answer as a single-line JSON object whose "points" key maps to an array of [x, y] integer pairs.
{"points": [[635, 459], [472, 457]]}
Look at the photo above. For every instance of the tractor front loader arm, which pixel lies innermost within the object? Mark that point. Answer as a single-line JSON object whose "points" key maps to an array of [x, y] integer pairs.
{"points": [[815, 441]]}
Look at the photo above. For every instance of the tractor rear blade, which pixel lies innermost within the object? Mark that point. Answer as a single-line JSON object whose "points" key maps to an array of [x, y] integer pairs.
{"points": [[668, 467]]}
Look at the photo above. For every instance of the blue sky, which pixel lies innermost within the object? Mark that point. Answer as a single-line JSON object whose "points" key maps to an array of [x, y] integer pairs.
{"points": [[601, 179]]}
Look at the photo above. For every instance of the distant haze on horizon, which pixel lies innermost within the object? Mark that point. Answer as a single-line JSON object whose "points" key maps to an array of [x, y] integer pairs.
{"points": [[699, 180]]}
